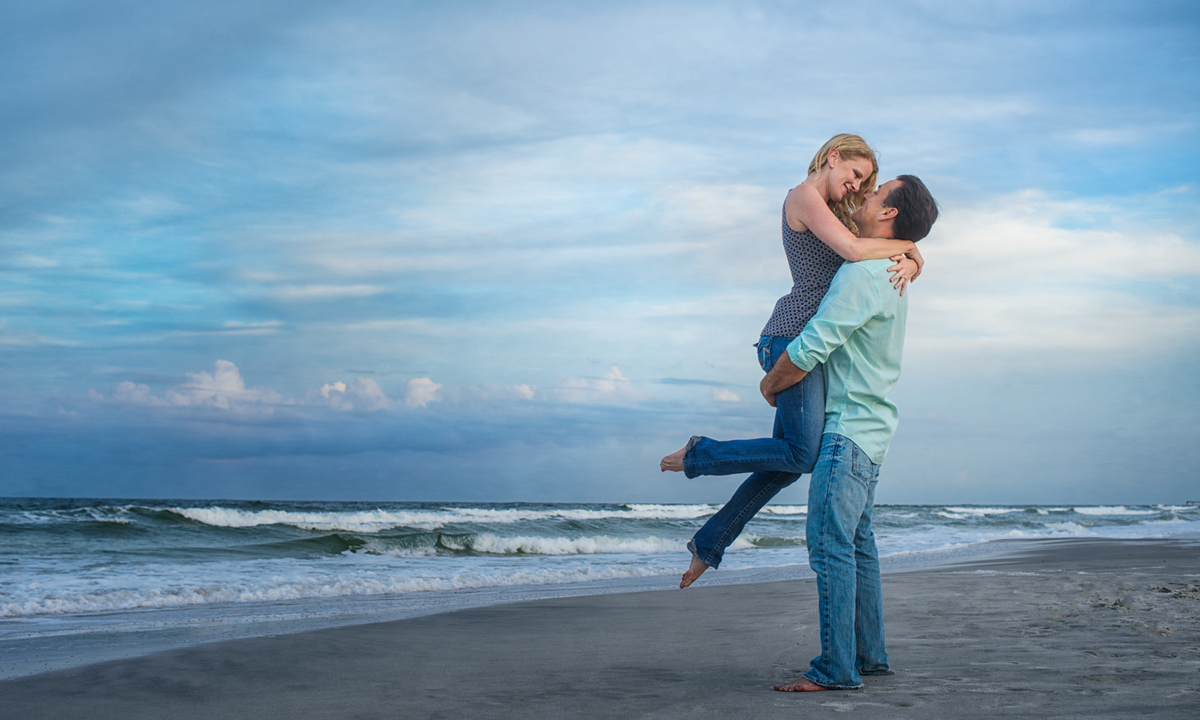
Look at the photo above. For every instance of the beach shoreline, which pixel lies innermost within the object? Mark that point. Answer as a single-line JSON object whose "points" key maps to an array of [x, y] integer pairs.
{"points": [[30, 646], [1048, 628]]}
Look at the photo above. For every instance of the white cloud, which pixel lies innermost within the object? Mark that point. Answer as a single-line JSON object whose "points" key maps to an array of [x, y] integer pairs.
{"points": [[152, 206], [724, 395], [1029, 236], [421, 392], [306, 292], [487, 393], [26, 338], [611, 387], [134, 393], [1018, 278], [34, 261], [363, 393], [235, 324], [729, 233], [223, 389]]}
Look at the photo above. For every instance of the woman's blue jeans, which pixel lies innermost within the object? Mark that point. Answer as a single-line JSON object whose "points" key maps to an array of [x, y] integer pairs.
{"points": [[776, 461]]}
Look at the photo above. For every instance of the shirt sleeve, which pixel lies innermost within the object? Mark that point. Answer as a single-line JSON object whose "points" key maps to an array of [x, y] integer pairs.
{"points": [[852, 300]]}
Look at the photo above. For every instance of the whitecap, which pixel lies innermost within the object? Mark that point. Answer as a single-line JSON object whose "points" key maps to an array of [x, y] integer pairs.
{"points": [[501, 545], [786, 509], [1112, 510]]}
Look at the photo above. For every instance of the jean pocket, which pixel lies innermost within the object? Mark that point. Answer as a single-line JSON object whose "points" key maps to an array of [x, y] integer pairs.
{"points": [[862, 467]]}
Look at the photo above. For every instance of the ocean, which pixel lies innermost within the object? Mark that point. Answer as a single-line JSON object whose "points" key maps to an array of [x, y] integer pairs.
{"points": [[89, 567]]}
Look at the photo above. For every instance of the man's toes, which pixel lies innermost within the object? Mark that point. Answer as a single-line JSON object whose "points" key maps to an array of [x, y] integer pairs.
{"points": [[800, 685]]}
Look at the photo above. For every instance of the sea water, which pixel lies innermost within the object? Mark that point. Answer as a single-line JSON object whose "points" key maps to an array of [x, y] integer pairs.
{"points": [[173, 569]]}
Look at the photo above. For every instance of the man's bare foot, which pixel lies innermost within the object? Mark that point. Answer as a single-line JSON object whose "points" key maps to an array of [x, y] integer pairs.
{"points": [[800, 684], [694, 571], [674, 461]]}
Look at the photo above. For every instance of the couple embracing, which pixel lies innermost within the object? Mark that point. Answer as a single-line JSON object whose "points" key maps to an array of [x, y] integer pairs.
{"points": [[831, 351]]}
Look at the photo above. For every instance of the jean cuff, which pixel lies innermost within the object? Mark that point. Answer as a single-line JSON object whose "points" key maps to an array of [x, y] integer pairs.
{"points": [[713, 561], [691, 443], [828, 686]]}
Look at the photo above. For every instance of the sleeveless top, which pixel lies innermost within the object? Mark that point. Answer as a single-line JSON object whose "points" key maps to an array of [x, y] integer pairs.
{"points": [[813, 266]]}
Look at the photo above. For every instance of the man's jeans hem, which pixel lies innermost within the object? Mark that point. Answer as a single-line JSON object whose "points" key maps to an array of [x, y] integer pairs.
{"points": [[870, 673], [819, 680]]}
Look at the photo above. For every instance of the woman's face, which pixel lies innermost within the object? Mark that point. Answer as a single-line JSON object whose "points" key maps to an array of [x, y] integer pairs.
{"points": [[846, 175]]}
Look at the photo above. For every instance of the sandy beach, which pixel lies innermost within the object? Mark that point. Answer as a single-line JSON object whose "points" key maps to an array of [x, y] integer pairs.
{"points": [[1060, 628]]}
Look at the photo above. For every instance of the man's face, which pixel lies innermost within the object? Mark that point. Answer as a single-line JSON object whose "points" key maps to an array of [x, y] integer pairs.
{"points": [[868, 215]]}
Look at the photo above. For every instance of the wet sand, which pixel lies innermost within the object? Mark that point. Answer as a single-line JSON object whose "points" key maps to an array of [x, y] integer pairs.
{"points": [[1055, 629]]}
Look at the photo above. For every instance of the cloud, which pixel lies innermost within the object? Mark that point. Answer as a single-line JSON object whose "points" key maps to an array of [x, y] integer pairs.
{"points": [[1034, 279], [134, 393], [387, 185], [222, 389], [34, 261], [421, 392], [236, 325], [363, 393], [612, 387], [307, 292], [723, 395]]}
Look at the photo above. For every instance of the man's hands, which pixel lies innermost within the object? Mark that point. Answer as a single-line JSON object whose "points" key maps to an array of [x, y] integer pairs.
{"points": [[783, 375]]}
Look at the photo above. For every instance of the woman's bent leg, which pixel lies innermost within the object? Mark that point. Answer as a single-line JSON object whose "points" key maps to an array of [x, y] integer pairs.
{"points": [[710, 541], [799, 422], [801, 419]]}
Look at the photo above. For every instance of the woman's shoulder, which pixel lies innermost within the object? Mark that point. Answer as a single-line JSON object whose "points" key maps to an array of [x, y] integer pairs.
{"points": [[793, 207]]}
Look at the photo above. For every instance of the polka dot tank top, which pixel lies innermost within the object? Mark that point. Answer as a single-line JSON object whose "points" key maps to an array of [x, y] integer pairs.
{"points": [[813, 266]]}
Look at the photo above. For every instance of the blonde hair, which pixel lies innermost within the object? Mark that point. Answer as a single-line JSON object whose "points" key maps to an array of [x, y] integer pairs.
{"points": [[848, 146]]}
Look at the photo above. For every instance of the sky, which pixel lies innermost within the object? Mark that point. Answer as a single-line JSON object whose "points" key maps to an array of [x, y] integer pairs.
{"points": [[518, 251]]}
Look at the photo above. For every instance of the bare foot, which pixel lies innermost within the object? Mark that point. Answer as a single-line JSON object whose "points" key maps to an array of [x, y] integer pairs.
{"points": [[694, 571], [800, 684], [674, 461]]}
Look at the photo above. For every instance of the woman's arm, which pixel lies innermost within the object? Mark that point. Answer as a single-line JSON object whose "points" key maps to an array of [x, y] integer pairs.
{"points": [[805, 208]]}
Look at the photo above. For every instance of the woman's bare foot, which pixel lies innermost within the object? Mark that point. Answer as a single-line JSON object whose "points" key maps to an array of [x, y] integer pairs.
{"points": [[800, 684], [694, 571], [674, 461]]}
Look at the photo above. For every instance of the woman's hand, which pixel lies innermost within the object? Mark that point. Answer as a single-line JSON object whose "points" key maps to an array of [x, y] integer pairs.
{"points": [[915, 254], [903, 272]]}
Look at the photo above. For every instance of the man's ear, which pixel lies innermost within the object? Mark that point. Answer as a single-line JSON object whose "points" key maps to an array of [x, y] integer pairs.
{"points": [[889, 213]]}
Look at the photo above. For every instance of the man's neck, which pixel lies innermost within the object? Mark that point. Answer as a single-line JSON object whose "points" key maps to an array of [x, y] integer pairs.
{"points": [[876, 230]]}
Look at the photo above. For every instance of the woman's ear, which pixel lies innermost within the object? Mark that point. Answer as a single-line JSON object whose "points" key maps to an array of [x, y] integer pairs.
{"points": [[834, 156]]}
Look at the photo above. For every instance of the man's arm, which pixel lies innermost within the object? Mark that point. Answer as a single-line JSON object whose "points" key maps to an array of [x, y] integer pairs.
{"points": [[852, 300], [783, 375]]}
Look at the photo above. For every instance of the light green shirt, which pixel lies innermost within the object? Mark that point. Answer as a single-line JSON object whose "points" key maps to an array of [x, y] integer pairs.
{"points": [[858, 332]]}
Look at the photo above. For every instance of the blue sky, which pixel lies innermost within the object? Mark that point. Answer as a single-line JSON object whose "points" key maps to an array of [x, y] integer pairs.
{"points": [[519, 251]]}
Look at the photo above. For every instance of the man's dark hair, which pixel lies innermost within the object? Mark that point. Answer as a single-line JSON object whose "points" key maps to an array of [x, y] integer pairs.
{"points": [[917, 208]]}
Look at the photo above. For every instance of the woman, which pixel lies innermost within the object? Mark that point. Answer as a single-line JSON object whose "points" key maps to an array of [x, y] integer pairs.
{"points": [[818, 236]]}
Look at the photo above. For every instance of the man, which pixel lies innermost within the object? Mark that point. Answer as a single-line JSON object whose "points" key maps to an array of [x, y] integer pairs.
{"points": [[858, 333]]}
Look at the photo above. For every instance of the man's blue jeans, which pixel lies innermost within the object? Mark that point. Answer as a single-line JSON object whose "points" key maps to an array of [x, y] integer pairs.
{"points": [[776, 461], [842, 553]]}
